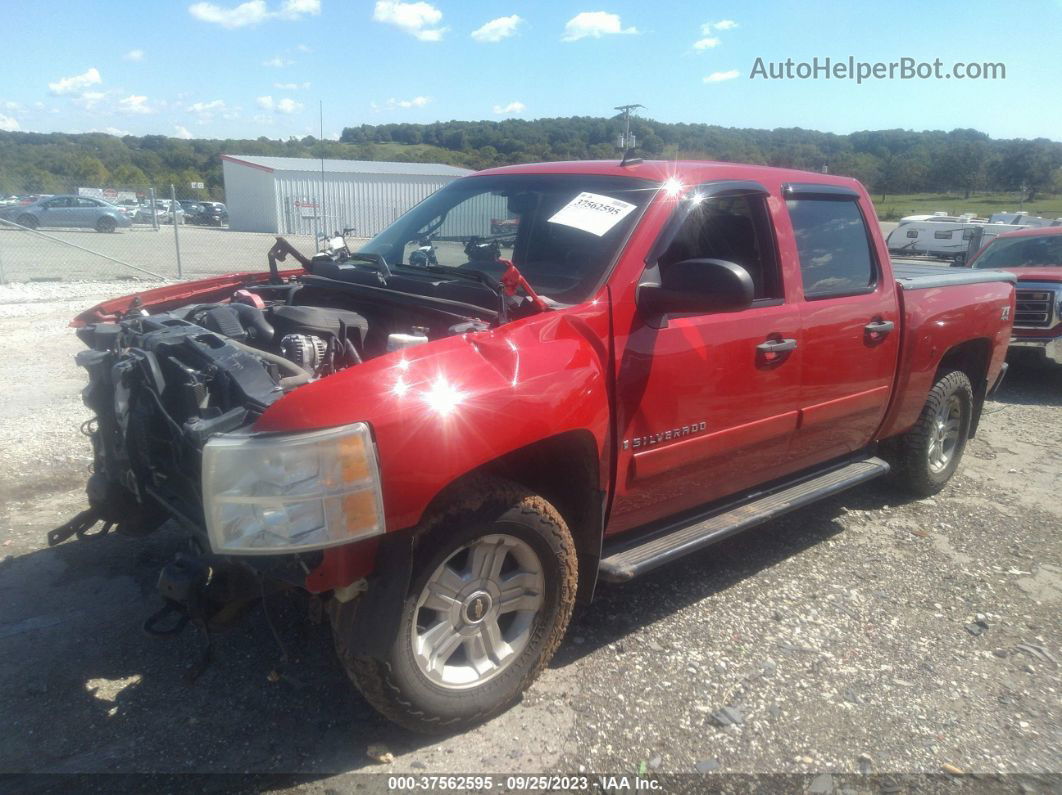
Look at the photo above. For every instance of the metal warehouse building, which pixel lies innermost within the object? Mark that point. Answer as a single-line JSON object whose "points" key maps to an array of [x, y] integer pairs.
{"points": [[295, 196]]}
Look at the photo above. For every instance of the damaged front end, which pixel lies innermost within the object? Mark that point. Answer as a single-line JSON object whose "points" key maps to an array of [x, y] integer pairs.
{"points": [[179, 376]]}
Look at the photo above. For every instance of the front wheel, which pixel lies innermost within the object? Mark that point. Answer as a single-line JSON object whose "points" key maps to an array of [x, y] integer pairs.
{"points": [[28, 221], [928, 454], [490, 600], [106, 224]]}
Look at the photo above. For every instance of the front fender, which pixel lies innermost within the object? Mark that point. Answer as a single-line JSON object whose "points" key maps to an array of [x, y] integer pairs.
{"points": [[443, 409]]}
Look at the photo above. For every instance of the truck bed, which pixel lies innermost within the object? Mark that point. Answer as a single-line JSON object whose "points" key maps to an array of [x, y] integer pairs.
{"points": [[911, 276]]}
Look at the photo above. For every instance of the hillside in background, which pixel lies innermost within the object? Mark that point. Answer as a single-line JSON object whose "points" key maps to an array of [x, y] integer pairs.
{"points": [[889, 162]]}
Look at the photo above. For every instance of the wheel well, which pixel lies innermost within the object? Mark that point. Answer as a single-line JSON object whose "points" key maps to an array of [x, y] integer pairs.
{"points": [[564, 470], [971, 357]]}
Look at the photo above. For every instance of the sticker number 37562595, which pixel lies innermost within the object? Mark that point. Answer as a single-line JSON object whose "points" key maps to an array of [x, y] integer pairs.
{"points": [[592, 213]]}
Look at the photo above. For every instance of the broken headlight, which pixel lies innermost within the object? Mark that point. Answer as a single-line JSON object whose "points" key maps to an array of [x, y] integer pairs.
{"points": [[267, 494]]}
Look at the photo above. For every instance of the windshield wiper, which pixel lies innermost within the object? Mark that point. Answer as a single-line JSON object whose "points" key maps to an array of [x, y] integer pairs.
{"points": [[373, 259], [506, 287]]}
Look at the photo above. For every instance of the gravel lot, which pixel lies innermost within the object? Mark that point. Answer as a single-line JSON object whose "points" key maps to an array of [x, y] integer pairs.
{"points": [[204, 250], [867, 633]]}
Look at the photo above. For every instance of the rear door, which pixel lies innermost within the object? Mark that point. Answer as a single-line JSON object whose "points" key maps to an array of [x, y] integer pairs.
{"points": [[86, 213], [708, 403], [850, 319]]}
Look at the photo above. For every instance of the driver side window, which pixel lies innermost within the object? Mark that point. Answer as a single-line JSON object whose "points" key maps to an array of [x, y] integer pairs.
{"points": [[736, 229]]}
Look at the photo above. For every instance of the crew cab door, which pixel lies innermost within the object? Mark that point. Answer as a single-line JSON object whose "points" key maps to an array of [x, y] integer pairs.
{"points": [[850, 317], [707, 403]]}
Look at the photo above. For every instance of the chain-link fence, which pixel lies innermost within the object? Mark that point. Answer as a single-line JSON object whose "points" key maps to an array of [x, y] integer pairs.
{"points": [[76, 237]]}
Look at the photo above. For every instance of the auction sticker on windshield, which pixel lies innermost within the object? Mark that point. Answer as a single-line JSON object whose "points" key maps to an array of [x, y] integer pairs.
{"points": [[592, 213]]}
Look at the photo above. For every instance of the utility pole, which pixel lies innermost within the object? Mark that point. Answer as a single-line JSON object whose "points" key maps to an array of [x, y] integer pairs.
{"points": [[626, 142], [321, 145]]}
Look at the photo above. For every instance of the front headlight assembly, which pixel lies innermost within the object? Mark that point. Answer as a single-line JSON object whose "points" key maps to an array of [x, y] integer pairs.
{"points": [[269, 494]]}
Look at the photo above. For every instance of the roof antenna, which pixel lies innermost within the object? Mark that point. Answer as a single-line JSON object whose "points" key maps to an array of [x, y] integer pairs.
{"points": [[627, 140]]}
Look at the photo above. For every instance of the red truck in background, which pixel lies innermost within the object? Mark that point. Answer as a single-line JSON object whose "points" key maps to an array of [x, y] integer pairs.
{"points": [[1034, 256], [451, 455]]}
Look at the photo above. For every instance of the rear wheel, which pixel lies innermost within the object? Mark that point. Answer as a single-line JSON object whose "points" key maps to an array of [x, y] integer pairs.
{"points": [[490, 600], [106, 224], [929, 453], [28, 221]]}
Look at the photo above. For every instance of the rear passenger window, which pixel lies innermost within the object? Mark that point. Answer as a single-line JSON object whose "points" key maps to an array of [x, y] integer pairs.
{"points": [[833, 245], [732, 228]]}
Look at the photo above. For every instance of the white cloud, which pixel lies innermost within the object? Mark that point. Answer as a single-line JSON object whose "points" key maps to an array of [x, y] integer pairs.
{"points": [[283, 105], [181, 132], [291, 86], [278, 62], [706, 43], [418, 19], [416, 102], [134, 55], [207, 107], [253, 12], [72, 85], [7, 124], [594, 24], [112, 131], [725, 24], [497, 29], [719, 77], [12, 106], [304, 48], [512, 107], [88, 100], [134, 104]]}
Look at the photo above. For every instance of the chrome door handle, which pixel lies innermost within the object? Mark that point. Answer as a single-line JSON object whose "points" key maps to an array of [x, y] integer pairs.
{"points": [[777, 346], [879, 327]]}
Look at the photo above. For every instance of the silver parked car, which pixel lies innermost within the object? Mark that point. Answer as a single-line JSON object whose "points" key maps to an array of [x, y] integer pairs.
{"points": [[163, 209], [69, 211]]}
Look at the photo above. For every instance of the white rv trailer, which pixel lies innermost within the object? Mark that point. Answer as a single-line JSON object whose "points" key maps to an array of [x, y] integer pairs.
{"points": [[954, 237]]}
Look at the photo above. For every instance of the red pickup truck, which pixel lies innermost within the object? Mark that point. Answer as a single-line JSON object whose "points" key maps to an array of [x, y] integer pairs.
{"points": [[1034, 256], [451, 455]]}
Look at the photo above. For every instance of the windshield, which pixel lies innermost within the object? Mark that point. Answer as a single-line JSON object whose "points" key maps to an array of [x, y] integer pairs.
{"points": [[1021, 252], [561, 230]]}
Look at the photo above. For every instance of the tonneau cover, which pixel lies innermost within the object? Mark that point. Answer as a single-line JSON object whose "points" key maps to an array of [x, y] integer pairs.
{"points": [[922, 277]]}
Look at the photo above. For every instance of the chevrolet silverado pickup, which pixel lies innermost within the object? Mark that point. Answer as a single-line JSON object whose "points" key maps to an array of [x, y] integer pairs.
{"points": [[1034, 256], [449, 455]]}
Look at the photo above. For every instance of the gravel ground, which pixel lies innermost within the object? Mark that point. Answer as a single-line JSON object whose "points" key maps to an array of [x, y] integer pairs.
{"points": [[868, 633], [74, 254]]}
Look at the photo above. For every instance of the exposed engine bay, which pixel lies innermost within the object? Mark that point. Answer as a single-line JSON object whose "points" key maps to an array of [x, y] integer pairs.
{"points": [[162, 384]]}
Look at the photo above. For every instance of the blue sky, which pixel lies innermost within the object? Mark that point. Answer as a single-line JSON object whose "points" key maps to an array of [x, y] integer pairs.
{"points": [[260, 67]]}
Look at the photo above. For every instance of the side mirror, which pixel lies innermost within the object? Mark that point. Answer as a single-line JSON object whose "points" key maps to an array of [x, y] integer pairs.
{"points": [[696, 286]]}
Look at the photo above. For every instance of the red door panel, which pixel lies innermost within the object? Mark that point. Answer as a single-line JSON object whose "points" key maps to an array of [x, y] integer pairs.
{"points": [[702, 413]]}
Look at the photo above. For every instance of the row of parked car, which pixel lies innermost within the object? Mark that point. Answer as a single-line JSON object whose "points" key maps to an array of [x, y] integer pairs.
{"points": [[90, 213]]}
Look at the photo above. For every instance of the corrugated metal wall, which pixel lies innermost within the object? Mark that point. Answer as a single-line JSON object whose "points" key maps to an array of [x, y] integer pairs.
{"points": [[473, 217], [249, 198], [366, 203]]}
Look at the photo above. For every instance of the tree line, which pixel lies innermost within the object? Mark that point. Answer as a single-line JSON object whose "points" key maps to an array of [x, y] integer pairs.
{"points": [[887, 161]]}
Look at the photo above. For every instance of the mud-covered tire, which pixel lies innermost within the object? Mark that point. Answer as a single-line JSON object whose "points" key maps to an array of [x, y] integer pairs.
{"points": [[397, 685], [918, 466]]}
